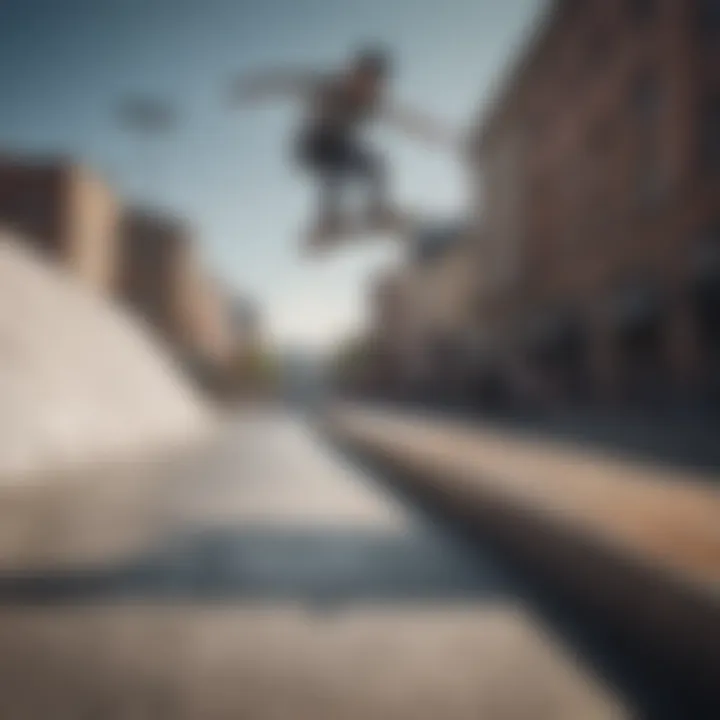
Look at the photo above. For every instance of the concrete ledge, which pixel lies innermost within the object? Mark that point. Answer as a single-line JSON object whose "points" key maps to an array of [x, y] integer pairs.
{"points": [[574, 531]]}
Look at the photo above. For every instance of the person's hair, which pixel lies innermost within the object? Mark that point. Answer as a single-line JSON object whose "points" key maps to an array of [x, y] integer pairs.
{"points": [[373, 60]]}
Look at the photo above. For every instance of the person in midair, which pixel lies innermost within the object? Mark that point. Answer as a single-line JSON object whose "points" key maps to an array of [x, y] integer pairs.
{"points": [[329, 144]]}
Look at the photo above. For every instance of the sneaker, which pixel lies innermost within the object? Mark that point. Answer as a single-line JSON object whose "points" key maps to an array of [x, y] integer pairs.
{"points": [[386, 218], [323, 232]]}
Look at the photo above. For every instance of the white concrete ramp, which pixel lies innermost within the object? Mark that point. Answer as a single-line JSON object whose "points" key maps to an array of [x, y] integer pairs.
{"points": [[79, 382]]}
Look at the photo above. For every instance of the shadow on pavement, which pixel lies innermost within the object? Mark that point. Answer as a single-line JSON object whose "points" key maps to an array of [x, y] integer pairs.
{"points": [[304, 564]]}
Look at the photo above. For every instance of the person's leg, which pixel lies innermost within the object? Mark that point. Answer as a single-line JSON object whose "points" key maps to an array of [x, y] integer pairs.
{"points": [[329, 197], [322, 153], [370, 168]]}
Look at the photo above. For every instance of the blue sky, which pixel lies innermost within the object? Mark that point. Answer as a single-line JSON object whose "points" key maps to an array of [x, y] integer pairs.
{"points": [[65, 64]]}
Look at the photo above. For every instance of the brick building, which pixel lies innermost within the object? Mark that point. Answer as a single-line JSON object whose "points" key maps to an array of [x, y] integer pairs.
{"points": [[599, 168], [391, 339], [66, 211], [211, 333], [144, 258], [164, 281], [154, 271]]}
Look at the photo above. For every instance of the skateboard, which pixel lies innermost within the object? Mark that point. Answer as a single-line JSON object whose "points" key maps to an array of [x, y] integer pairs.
{"points": [[352, 228]]}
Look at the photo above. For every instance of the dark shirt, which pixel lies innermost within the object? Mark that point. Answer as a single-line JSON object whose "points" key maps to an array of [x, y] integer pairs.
{"points": [[333, 105]]}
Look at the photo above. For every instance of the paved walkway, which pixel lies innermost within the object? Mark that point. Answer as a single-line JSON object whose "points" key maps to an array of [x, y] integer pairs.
{"points": [[279, 582]]}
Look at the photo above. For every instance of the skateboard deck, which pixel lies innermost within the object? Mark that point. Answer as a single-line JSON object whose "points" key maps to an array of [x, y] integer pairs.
{"points": [[353, 228]]}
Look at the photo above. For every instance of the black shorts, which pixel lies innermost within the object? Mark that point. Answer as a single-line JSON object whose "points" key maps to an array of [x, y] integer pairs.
{"points": [[331, 151]]}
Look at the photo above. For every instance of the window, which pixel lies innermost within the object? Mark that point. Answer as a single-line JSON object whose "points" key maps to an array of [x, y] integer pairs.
{"points": [[651, 183], [706, 291], [599, 46], [642, 11], [573, 7], [536, 126], [646, 106], [710, 135], [646, 97], [707, 19], [600, 141], [709, 15]]}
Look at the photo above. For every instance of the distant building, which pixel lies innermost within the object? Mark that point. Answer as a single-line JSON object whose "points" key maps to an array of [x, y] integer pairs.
{"points": [[244, 321], [156, 264], [599, 169], [163, 280], [66, 211], [422, 312], [211, 333]]}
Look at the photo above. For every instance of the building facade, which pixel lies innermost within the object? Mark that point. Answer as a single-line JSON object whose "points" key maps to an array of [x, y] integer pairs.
{"points": [[67, 212], [600, 178], [210, 331], [422, 314], [156, 258], [165, 282]]}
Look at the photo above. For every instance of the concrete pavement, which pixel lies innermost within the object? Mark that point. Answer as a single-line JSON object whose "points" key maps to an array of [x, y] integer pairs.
{"points": [[635, 545], [282, 582]]}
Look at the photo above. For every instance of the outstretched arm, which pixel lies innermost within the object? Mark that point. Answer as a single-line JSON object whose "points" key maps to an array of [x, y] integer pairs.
{"points": [[420, 126], [249, 88]]}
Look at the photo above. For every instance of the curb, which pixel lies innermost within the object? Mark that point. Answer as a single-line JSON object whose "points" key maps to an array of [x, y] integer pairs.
{"points": [[669, 622]]}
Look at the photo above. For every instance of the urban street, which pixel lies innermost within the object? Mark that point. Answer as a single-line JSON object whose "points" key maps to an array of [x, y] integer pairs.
{"points": [[275, 579]]}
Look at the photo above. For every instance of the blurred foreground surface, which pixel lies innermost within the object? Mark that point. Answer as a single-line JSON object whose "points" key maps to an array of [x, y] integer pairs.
{"points": [[275, 581], [664, 515]]}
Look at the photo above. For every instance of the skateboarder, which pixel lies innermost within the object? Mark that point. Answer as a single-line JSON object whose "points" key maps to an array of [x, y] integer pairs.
{"points": [[329, 145]]}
